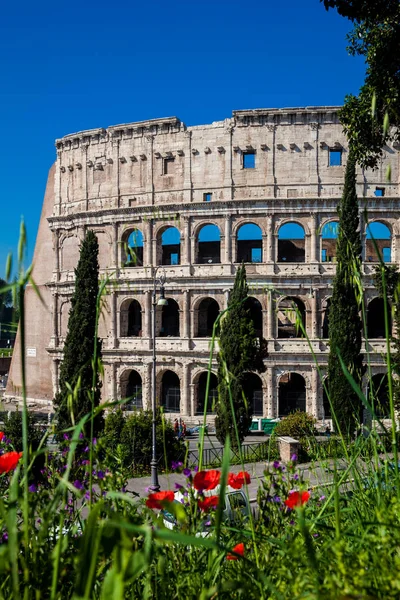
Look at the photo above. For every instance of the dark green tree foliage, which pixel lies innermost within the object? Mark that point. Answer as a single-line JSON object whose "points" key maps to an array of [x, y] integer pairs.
{"points": [[240, 352], [376, 37], [79, 342], [345, 324], [391, 292], [8, 320]]}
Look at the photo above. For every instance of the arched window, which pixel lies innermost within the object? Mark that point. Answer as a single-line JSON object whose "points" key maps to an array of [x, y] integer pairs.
{"points": [[325, 320], [378, 234], [207, 315], [170, 392], [291, 314], [292, 394], [376, 319], [378, 395], [329, 234], [131, 319], [131, 388], [169, 319], [326, 404], [254, 306], [249, 244], [208, 245], [253, 391], [212, 393], [133, 249], [170, 247], [291, 243]]}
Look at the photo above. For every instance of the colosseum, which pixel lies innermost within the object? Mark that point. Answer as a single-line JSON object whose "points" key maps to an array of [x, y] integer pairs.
{"points": [[192, 203]]}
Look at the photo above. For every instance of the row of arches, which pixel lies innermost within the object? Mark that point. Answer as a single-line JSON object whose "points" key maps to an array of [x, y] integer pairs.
{"points": [[291, 318], [291, 244], [292, 393]]}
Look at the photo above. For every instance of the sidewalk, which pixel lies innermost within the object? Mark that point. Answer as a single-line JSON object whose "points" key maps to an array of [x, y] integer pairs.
{"points": [[315, 475]]}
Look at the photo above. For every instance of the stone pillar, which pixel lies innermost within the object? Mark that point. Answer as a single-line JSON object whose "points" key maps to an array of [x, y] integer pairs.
{"points": [[116, 247], [228, 240], [270, 317], [193, 249], [395, 249], [56, 246], [265, 317], [55, 335], [314, 314], [186, 314], [187, 238], [314, 255], [271, 409], [268, 253], [147, 250], [226, 294], [192, 400], [147, 314], [113, 336], [185, 391], [113, 381], [312, 404], [147, 388]]}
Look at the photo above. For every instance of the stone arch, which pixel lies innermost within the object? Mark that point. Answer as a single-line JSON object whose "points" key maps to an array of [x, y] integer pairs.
{"points": [[167, 319], [325, 318], [291, 242], [329, 234], [130, 318], [208, 244], [207, 313], [248, 243], [378, 233], [168, 245], [288, 318], [378, 394], [291, 393], [170, 398], [105, 245], [253, 390], [376, 318], [200, 388], [131, 387], [255, 308], [70, 247], [132, 244]]}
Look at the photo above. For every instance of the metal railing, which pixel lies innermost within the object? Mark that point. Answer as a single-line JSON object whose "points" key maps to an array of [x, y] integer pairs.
{"points": [[212, 457]]}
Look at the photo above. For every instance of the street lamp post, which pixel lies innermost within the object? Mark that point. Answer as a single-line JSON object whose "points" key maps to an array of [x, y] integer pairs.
{"points": [[155, 486]]}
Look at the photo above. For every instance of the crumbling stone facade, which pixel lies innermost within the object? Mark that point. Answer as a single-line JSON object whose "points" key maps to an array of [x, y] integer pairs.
{"points": [[133, 183]]}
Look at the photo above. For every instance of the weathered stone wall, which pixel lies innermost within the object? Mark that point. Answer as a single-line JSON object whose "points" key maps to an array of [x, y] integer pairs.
{"points": [[157, 174]]}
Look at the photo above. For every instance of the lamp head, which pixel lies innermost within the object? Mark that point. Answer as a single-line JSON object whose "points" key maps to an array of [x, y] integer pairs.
{"points": [[162, 301]]}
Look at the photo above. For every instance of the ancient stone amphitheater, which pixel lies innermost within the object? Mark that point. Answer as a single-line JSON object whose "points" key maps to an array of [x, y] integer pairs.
{"points": [[194, 202]]}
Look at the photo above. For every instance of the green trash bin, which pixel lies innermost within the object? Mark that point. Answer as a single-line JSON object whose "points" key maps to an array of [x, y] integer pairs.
{"points": [[268, 425]]}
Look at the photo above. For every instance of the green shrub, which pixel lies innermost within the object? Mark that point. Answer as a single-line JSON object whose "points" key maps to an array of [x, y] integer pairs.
{"points": [[13, 431], [130, 438], [297, 425]]}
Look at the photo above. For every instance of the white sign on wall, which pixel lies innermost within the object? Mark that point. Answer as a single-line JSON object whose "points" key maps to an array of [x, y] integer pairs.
{"points": [[31, 352]]}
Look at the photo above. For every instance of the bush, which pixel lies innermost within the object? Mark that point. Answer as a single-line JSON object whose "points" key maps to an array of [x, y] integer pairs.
{"points": [[130, 439], [13, 431], [297, 425]]}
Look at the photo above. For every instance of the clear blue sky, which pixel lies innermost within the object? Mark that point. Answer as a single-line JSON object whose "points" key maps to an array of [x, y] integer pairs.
{"points": [[76, 65]]}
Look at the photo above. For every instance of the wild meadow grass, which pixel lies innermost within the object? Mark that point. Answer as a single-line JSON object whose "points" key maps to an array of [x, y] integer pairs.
{"points": [[69, 529]]}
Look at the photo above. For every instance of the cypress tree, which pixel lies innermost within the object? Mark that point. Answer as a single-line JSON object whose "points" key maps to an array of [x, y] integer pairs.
{"points": [[345, 325], [240, 352], [79, 342]]}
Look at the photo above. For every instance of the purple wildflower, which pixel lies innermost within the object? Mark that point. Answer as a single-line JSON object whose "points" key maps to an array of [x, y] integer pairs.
{"points": [[176, 464], [101, 474], [178, 486], [66, 436], [94, 441], [187, 472], [276, 499], [78, 484], [81, 436], [293, 458], [295, 477], [86, 449], [276, 464], [32, 488], [322, 498]]}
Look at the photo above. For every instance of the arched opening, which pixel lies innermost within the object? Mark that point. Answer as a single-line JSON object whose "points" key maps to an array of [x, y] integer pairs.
{"points": [[169, 326], [131, 388], [208, 245], [207, 315], [378, 395], [132, 249], [291, 243], [170, 247], [130, 319], [291, 314], [376, 319], [170, 392], [378, 234], [253, 391], [329, 236], [325, 401], [325, 320], [255, 308], [292, 394], [249, 244], [212, 393]]}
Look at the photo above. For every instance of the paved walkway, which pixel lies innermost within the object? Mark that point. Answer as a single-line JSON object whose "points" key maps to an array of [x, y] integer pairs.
{"points": [[315, 475]]}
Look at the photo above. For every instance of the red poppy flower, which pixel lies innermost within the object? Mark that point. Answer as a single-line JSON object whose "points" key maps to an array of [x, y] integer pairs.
{"points": [[206, 480], [297, 499], [239, 549], [210, 502], [9, 461], [1, 435], [243, 477], [233, 481], [157, 499]]}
